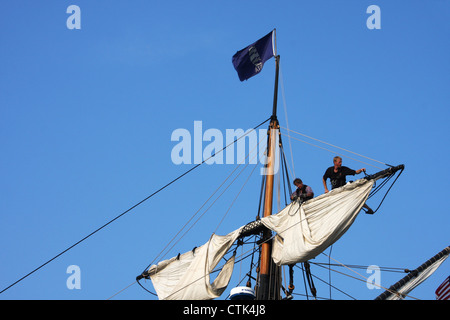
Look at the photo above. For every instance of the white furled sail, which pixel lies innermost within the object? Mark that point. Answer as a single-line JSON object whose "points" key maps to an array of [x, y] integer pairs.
{"points": [[187, 277], [304, 231]]}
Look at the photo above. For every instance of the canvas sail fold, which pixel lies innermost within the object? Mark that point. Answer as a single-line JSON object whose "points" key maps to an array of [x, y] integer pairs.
{"points": [[304, 231], [187, 277]]}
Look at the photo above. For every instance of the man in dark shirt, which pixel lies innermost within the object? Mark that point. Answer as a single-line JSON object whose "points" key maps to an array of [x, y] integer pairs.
{"points": [[337, 174], [304, 192]]}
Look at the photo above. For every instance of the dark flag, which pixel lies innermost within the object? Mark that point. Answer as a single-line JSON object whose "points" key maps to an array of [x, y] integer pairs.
{"points": [[250, 60]]}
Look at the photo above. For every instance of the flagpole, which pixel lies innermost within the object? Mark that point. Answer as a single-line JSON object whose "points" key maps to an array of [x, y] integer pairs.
{"points": [[249, 62], [277, 71], [275, 93]]}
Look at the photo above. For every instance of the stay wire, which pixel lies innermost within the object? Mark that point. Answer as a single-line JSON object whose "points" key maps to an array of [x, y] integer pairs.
{"points": [[334, 146], [364, 267], [283, 95], [364, 279], [343, 155], [209, 207], [131, 208], [323, 281]]}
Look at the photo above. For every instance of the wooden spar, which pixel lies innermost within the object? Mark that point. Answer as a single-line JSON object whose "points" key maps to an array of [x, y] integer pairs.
{"points": [[267, 288]]}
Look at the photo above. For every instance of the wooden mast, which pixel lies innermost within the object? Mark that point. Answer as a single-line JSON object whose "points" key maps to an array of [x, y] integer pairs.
{"points": [[268, 276]]}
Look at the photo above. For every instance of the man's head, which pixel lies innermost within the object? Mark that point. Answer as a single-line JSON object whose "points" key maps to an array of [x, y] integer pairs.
{"points": [[298, 183], [337, 161]]}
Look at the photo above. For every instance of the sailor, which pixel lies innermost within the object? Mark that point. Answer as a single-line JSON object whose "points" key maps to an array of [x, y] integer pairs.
{"points": [[337, 174], [303, 192]]}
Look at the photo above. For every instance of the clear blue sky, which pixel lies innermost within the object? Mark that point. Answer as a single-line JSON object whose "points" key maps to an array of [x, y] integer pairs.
{"points": [[86, 118]]}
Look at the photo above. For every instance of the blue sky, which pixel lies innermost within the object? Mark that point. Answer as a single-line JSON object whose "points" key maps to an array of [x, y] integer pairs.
{"points": [[86, 118]]}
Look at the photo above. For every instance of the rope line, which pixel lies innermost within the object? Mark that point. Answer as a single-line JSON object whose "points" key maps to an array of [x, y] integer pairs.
{"points": [[365, 278], [334, 146], [206, 210], [286, 116], [131, 208], [343, 155], [226, 188]]}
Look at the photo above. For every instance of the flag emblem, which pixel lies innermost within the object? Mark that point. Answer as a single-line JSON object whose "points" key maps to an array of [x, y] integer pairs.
{"points": [[250, 60]]}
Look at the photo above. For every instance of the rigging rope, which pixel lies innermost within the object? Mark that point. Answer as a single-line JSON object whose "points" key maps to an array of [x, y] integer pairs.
{"points": [[286, 116], [382, 185], [334, 146], [226, 188], [329, 284], [232, 203], [132, 207], [365, 279], [308, 276], [343, 155], [364, 267]]}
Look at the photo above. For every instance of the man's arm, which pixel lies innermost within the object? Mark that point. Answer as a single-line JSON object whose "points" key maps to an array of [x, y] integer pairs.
{"points": [[293, 195], [325, 185], [309, 192]]}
